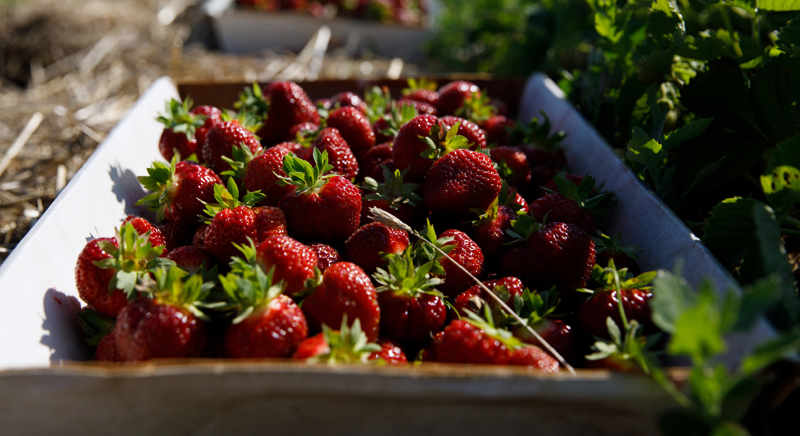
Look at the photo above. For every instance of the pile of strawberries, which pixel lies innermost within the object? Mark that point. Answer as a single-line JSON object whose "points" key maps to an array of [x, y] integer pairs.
{"points": [[406, 12], [264, 246]]}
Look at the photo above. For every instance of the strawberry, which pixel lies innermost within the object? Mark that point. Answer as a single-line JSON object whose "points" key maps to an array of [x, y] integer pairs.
{"points": [[270, 222], [423, 91], [142, 226], [624, 256], [470, 342], [476, 138], [394, 196], [281, 106], [555, 253], [349, 345], [536, 309], [168, 325], [180, 126], [190, 258], [467, 254], [178, 191], [489, 231], [452, 96], [106, 350], [268, 323], [343, 290], [421, 141], [326, 255], [512, 164], [496, 128], [461, 181], [264, 171], [339, 154], [108, 268], [605, 301], [199, 237], [230, 221], [411, 307], [474, 298], [348, 99], [373, 160], [213, 116], [322, 207], [301, 135], [354, 128], [220, 140], [572, 204], [287, 260], [387, 124], [390, 353], [420, 108], [534, 358], [368, 245]]}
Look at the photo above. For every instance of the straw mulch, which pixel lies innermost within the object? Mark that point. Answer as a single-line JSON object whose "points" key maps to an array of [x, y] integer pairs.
{"points": [[71, 69]]}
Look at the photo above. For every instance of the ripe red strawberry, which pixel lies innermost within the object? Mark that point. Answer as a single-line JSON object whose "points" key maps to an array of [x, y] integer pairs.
{"points": [[343, 290], [496, 128], [231, 222], [390, 353], [420, 107], [213, 116], [423, 95], [264, 171], [554, 254], [408, 147], [476, 138], [323, 207], [534, 358], [106, 350], [354, 128], [340, 156], [474, 298], [461, 181], [394, 196], [348, 99], [411, 307], [269, 323], [536, 308], [452, 96], [624, 256], [604, 303], [465, 341], [292, 261], [108, 268], [489, 232], [178, 191], [180, 126], [467, 254], [142, 226], [220, 140], [572, 204], [349, 345], [512, 164], [281, 106], [368, 245], [270, 222], [372, 161], [168, 325], [326, 255], [199, 237], [191, 259]]}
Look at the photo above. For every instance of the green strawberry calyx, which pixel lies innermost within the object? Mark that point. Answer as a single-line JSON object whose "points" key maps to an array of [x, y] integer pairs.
{"points": [[95, 325], [392, 190], [598, 204], [229, 199], [537, 134], [252, 100], [402, 277], [442, 140], [161, 181], [133, 258], [347, 345], [487, 324], [247, 287], [613, 245], [398, 115], [523, 227], [378, 101], [242, 155], [508, 197], [423, 83], [179, 119], [476, 108], [613, 279], [423, 251], [176, 287], [535, 307], [303, 176]]}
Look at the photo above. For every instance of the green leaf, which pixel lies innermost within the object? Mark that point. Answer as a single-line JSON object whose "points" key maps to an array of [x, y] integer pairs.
{"points": [[687, 132], [784, 346], [698, 331], [708, 387], [778, 5], [782, 188]]}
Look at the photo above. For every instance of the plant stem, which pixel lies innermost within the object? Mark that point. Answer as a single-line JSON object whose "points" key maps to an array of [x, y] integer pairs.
{"points": [[791, 222], [790, 232]]}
